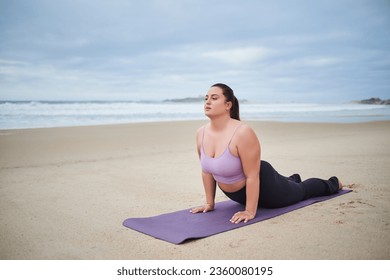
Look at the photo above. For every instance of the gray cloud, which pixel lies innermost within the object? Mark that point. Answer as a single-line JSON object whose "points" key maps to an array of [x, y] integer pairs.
{"points": [[266, 50]]}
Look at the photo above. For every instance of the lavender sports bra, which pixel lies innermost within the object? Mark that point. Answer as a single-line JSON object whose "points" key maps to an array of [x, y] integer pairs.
{"points": [[226, 168]]}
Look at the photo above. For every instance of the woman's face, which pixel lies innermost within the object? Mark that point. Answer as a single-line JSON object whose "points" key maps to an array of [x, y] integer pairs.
{"points": [[215, 103]]}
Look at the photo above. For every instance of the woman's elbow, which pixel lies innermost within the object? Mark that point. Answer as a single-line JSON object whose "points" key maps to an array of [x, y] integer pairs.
{"points": [[253, 177]]}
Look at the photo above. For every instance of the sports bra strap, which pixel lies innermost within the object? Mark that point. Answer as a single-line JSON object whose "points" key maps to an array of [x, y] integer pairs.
{"points": [[234, 133], [204, 128]]}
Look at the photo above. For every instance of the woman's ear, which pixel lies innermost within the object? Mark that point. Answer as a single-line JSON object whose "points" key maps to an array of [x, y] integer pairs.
{"points": [[229, 105]]}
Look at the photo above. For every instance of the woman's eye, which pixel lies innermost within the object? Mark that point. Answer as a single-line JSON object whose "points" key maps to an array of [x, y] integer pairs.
{"points": [[212, 98]]}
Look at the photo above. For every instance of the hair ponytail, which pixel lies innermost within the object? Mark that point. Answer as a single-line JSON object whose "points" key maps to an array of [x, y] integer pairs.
{"points": [[229, 95], [235, 110]]}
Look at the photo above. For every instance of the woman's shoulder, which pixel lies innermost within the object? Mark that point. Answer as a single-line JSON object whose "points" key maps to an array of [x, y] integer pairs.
{"points": [[245, 132], [244, 128], [200, 129]]}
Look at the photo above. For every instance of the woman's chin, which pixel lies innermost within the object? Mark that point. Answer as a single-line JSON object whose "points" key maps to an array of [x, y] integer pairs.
{"points": [[211, 115], [207, 113]]}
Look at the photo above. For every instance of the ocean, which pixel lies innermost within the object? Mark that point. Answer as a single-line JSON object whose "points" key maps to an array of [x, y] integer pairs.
{"points": [[38, 114]]}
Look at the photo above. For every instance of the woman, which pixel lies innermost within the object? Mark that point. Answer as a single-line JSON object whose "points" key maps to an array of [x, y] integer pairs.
{"points": [[229, 153]]}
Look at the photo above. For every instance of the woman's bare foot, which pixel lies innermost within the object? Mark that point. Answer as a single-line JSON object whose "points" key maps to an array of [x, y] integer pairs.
{"points": [[340, 184]]}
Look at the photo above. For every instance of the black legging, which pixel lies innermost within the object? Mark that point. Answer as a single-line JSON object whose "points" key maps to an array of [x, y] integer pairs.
{"points": [[279, 191]]}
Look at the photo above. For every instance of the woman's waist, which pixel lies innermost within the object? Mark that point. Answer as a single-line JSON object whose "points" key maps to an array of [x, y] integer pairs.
{"points": [[232, 187]]}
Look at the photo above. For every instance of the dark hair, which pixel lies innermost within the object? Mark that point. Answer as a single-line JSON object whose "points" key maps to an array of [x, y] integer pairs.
{"points": [[229, 95]]}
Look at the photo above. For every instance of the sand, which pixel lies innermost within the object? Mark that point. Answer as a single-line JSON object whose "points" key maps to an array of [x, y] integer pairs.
{"points": [[64, 192]]}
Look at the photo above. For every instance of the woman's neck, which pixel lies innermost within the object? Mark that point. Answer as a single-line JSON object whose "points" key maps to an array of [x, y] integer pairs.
{"points": [[219, 123]]}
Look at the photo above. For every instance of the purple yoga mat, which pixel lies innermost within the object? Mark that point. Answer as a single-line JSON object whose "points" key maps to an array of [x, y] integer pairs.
{"points": [[177, 227]]}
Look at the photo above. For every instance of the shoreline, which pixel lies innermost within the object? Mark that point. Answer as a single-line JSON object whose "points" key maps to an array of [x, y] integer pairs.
{"points": [[65, 191]]}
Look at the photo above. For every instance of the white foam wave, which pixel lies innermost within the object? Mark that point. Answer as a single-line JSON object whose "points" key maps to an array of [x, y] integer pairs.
{"points": [[52, 114]]}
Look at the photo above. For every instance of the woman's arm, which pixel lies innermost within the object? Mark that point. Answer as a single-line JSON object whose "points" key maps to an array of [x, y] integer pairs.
{"points": [[249, 151], [209, 188], [208, 182]]}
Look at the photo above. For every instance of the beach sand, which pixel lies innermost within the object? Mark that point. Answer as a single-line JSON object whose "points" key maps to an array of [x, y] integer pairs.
{"points": [[64, 192]]}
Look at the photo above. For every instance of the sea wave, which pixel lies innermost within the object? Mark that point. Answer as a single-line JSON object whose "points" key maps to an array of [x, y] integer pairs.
{"points": [[33, 114]]}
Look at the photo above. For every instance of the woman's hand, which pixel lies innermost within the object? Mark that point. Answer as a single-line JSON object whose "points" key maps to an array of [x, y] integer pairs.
{"points": [[203, 209], [242, 216]]}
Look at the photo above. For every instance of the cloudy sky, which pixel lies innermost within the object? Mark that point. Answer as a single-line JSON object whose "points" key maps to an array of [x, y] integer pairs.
{"points": [[266, 50]]}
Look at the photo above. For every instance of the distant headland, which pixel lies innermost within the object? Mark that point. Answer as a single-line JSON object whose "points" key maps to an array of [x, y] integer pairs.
{"points": [[200, 98], [186, 99], [374, 101]]}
